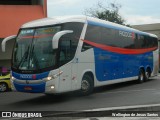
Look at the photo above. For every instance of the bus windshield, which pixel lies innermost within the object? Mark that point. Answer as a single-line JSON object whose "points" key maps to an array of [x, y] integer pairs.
{"points": [[33, 48]]}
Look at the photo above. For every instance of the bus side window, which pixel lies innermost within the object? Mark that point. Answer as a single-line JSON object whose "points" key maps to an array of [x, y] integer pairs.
{"points": [[86, 46], [139, 41], [93, 35]]}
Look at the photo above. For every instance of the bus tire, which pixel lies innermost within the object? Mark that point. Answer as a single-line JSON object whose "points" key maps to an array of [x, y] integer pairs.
{"points": [[147, 75], [87, 85], [141, 76]]}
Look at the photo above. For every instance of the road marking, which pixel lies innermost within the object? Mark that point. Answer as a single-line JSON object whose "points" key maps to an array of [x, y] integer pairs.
{"points": [[119, 118], [131, 91], [124, 107]]}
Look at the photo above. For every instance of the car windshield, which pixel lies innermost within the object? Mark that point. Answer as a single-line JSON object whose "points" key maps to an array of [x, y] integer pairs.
{"points": [[33, 48]]}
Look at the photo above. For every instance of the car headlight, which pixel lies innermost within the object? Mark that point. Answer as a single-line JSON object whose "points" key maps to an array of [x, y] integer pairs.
{"points": [[12, 78]]}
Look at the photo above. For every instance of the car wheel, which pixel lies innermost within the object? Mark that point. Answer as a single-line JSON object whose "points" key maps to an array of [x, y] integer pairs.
{"points": [[3, 87]]}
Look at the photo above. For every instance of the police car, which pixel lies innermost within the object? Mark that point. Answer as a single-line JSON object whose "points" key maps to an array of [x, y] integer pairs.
{"points": [[5, 84]]}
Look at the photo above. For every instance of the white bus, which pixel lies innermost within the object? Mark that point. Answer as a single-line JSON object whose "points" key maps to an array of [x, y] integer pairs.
{"points": [[62, 54]]}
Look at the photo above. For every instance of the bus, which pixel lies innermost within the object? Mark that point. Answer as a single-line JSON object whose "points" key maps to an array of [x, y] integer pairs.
{"points": [[69, 53]]}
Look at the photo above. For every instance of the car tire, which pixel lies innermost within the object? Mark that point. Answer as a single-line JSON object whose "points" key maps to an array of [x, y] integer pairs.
{"points": [[3, 87]]}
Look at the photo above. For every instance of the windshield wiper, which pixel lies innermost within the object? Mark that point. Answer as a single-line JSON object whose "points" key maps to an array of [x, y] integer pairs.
{"points": [[25, 56], [34, 58]]}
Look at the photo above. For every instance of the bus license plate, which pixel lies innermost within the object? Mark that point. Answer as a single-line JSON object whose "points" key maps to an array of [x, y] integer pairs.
{"points": [[27, 88]]}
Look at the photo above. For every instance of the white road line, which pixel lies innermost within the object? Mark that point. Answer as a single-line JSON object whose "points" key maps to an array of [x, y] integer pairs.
{"points": [[124, 107], [120, 118], [131, 91]]}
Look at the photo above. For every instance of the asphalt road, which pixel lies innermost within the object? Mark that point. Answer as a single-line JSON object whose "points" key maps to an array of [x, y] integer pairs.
{"points": [[124, 94]]}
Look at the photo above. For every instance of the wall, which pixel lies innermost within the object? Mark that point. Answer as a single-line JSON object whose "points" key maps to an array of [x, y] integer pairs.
{"points": [[151, 28], [6, 56], [14, 13]]}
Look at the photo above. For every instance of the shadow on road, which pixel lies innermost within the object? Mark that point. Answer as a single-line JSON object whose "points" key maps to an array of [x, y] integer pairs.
{"points": [[44, 100], [108, 88]]}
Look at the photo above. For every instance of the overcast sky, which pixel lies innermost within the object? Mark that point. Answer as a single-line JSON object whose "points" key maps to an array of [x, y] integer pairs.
{"points": [[133, 11]]}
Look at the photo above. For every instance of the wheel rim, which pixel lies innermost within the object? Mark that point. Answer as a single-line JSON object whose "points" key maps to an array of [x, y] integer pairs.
{"points": [[85, 85], [141, 77], [147, 75], [3, 87]]}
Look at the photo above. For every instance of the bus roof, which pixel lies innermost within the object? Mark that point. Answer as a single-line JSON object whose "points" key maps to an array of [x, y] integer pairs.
{"points": [[55, 20], [83, 19]]}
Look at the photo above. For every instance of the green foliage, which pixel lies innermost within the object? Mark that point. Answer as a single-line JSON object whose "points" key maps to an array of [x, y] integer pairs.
{"points": [[108, 13]]}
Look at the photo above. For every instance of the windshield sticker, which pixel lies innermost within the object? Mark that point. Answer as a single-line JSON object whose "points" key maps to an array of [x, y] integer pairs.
{"points": [[48, 30], [27, 31], [38, 36]]}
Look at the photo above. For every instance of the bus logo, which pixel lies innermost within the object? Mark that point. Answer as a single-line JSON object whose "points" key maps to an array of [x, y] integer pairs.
{"points": [[33, 76], [125, 34], [26, 76]]}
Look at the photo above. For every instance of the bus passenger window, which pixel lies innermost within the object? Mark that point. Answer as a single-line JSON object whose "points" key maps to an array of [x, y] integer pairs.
{"points": [[86, 47]]}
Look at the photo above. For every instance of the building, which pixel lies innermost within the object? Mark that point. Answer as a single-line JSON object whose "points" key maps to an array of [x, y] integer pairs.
{"points": [[150, 28], [14, 13]]}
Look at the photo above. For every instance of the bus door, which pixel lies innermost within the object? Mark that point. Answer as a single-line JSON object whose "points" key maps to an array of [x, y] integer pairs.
{"points": [[75, 74], [66, 65]]}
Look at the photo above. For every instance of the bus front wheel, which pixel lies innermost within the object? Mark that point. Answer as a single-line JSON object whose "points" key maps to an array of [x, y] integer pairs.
{"points": [[87, 85]]}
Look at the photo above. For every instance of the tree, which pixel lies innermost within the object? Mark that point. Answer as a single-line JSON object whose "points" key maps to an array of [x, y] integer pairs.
{"points": [[110, 13]]}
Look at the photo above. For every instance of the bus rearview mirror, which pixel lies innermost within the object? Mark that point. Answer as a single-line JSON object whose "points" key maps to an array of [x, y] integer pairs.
{"points": [[57, 36], [3, 44]]}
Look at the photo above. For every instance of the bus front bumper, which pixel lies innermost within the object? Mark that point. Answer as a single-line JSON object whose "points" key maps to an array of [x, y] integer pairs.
{"points": [[38, 86]]}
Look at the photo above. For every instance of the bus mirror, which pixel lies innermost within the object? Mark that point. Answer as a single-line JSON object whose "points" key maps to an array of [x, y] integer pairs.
{"points": [[3, 44], [57, 36]]}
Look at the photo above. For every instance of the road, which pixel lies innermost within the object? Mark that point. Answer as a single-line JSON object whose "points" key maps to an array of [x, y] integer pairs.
{"points": [[123, 94]]}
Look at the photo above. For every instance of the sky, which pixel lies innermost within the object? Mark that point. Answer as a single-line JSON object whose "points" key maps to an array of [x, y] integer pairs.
{"points": [[135, 12]]}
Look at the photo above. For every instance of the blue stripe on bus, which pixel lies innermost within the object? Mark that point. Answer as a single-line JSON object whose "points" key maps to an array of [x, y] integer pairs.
{"points": [[110, 66], [30, 76]]}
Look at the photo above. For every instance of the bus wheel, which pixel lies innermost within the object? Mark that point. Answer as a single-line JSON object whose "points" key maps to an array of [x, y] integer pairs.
{"points": [[147, 75], [141, 76], [3, 87], [87, 85]]}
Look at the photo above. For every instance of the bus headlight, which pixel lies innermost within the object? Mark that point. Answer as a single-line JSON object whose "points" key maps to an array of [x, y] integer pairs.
{"points": [[48, 78], [53, 76], [52, 87]]}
